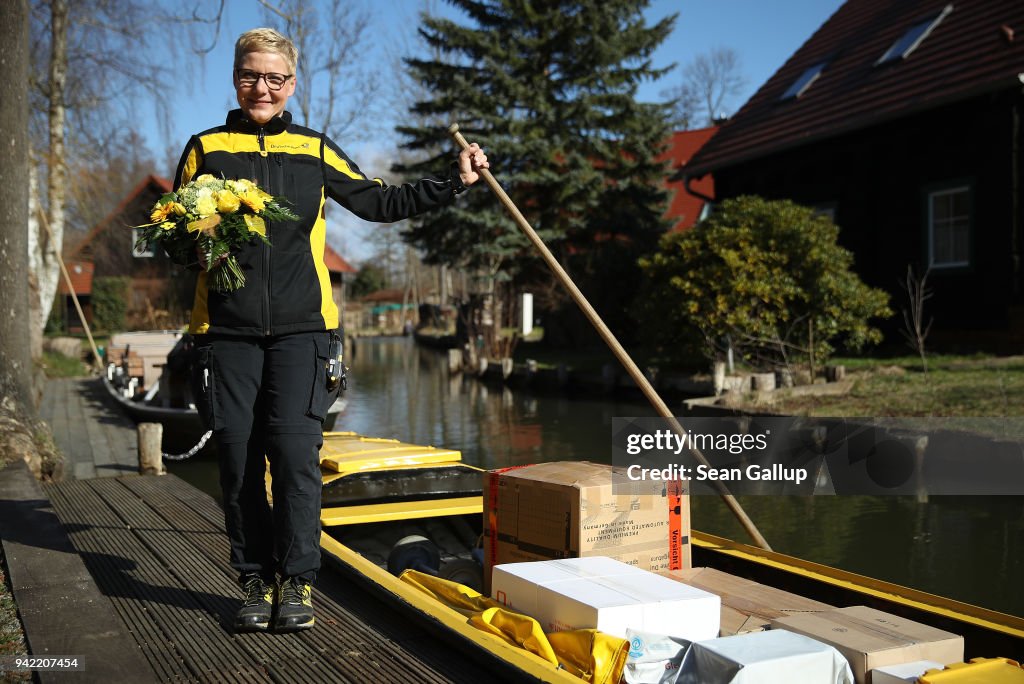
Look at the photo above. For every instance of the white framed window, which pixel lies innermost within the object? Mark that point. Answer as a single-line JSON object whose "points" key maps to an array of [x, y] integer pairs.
{"points": [[140, 252], [949, 227], [800, 85], [910, 39]]}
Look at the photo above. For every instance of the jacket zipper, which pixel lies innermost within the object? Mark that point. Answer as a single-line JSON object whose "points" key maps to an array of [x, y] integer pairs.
{"points": [[268, 326]]}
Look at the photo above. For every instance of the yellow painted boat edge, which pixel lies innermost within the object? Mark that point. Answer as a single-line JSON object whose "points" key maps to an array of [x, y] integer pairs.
{"points": [[401, 510], [920, 600], [448, 618]]}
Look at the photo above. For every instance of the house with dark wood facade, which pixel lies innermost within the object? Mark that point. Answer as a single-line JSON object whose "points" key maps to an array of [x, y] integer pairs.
{"points": [[901, 119]]}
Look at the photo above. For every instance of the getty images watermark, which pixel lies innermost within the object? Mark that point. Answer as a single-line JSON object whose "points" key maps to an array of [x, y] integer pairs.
{"points": [[802, 456]]}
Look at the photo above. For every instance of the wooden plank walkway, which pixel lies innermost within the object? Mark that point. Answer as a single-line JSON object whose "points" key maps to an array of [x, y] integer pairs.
{"points": [[96, 437], [156, 547], [155, 563]]}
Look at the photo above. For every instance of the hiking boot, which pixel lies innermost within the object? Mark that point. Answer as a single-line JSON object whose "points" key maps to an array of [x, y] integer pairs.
{"points": [[258, 607], [295, 610]]}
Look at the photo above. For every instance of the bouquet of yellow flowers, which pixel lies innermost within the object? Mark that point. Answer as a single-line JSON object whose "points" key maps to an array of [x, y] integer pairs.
{"points": [[218, 216]]}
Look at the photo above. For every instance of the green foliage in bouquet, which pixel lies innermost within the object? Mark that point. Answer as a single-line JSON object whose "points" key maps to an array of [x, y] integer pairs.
{"points": [[213, 217]]}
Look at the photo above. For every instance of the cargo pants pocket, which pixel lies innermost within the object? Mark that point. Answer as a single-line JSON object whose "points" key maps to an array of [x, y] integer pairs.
{"points": [[320, 398], [204, 386]]}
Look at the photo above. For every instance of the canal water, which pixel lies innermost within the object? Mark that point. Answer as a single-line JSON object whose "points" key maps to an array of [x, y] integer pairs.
{"points": [[967, 548]]}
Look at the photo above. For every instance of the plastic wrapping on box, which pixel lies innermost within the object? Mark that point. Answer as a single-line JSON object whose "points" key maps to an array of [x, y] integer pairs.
{"points": [[772, 657], [653, 658]]}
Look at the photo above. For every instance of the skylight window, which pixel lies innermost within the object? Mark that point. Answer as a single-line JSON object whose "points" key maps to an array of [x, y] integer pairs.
{"points": [[913, 37], [804, 82]]}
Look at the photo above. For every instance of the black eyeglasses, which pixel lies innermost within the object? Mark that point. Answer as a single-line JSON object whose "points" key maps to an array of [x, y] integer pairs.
{"points": [[248, 79]]}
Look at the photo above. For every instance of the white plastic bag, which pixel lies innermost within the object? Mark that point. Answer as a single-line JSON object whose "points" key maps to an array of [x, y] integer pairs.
{"points": [[653, 658]]}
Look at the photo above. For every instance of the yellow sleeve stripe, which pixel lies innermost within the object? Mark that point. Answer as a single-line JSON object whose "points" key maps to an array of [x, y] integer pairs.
{"points": [[190, 166], [334, 160]]}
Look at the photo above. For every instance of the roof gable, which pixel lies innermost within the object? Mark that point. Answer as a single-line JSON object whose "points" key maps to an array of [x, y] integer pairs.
{"points": [[153, 184], [972, 50]]}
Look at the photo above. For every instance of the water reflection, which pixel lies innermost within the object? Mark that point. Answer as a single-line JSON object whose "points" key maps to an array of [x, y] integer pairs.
{"points": [[965, 548], [403, 391]]}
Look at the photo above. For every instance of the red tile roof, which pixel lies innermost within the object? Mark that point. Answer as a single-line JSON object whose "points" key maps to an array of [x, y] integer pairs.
{"points": [[684, 208], [81, 278], [391, 295], [977, 48]]}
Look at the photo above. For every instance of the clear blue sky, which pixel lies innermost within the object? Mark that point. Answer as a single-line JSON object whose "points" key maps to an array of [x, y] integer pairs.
{"points": [[764, 34]]}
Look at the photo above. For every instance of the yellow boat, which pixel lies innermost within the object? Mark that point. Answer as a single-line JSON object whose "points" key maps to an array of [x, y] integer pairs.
{"points": [[381, 495]]}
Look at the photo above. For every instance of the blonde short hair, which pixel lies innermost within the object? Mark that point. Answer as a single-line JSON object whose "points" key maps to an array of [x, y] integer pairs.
{"points": [[266, 40]]}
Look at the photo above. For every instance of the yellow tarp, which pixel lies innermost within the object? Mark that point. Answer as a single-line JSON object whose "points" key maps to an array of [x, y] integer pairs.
{"points": [[586, 653]]}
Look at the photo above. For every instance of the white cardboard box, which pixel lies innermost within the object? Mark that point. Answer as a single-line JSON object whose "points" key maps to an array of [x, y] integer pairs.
{"points": [[605, 594], [772, 657], [904, 672]]}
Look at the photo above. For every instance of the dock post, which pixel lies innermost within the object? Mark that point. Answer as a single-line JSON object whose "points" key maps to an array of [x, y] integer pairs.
{"points": [[151, 459]]}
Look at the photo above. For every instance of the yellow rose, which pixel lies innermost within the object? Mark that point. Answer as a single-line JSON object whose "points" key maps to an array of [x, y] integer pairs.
{"points": [[206, 205], [178, 208], [205, 178], [227, 202]]}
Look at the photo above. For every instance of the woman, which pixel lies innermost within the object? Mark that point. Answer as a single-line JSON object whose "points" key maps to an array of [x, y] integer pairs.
{"points": [[259, 372]]}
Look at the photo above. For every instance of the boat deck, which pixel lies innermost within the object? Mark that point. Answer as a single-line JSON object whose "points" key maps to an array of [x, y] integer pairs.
{"points": [[97, 439], [156, 548]]}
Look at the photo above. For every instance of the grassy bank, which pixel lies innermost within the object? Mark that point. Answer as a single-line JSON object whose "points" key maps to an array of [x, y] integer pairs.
{"points": [[953, 386]]}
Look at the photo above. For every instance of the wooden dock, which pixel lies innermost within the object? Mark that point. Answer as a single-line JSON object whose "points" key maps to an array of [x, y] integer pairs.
{"points": [[95, 436], [130, 574], [156, 547]]}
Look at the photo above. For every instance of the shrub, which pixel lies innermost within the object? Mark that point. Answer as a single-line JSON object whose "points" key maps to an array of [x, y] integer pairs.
{"points": [[764, 277], [110, 303]]}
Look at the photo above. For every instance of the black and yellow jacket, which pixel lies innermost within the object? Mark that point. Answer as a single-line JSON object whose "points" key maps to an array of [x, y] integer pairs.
{"points": [[288, 288]]}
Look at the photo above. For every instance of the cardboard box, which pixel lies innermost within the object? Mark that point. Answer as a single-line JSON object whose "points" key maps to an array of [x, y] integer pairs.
{"points": [[906, 673], [605, 594], [569, 510], [747, 606], [774, 657], [870, 638]]}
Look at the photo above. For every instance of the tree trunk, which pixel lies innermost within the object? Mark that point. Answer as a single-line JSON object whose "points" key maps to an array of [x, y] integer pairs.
{"points": [[49, 242], [15, 358], [38, 313]]}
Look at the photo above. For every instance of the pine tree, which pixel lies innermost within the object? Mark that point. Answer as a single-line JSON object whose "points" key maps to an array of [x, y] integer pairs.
{"points": [[548, 88]]}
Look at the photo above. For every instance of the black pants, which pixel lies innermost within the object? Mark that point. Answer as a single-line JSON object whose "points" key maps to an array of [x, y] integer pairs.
{"points": [[265, 398]]}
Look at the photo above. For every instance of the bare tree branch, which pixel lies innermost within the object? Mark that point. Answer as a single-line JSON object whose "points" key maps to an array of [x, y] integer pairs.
{"points": [[709, 83]]}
